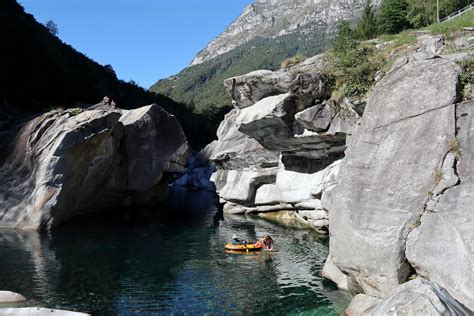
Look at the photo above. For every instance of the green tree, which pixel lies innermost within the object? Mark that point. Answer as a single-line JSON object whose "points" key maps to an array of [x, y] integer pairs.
{"points": [[367, 26], [52, 27], [352, 66], [393, 16], [421, 13], [446, 7]]}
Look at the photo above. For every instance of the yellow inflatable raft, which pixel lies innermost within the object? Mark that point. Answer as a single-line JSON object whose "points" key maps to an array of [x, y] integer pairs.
{"points": [[244, 247]]}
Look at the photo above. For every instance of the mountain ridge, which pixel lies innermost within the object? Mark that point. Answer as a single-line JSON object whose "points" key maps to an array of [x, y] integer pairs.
{"points": [[260, 38]]}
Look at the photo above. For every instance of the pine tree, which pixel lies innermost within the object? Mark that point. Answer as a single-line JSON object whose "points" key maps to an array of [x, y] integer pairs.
{"points": [[393, 16], [421, 13], [367, 26], [52, 27]]}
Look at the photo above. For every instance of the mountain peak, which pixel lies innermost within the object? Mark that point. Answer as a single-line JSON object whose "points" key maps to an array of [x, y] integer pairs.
{"points": [[272, 18]]}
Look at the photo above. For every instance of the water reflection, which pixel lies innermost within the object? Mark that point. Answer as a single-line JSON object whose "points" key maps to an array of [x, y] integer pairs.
{"points": [[168, 260]]}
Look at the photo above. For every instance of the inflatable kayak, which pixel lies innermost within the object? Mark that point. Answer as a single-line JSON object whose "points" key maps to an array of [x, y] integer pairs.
{"points": [[244, 247]]}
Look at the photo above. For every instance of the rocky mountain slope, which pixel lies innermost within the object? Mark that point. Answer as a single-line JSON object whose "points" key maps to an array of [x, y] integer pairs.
{"points": [[270, 19], [388, 177], [264, 35], [67, 162]]}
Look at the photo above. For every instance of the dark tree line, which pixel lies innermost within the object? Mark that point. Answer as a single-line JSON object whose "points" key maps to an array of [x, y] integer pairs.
{"points": [[40, 72]]}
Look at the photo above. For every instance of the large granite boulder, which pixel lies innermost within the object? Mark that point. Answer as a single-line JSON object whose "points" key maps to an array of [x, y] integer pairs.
{"points": [[271, 122], [306, 81], [330, 117], [250, 88], [441, 248], [153, 143], [239, 186], [293, 186], [228, 151], [63, 163], [389, 172]]}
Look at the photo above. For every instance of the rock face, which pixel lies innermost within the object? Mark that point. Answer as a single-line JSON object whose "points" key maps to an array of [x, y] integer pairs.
{"points": [[271, 18], [450, 261], [389, 171], [404, 194], [277, 150], [63, 163]]}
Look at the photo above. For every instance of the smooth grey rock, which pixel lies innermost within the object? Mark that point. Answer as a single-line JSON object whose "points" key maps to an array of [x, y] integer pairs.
{"points": [[377, 198], [447, 174], [463, 42], [293, 186], [10, 297], [332, 272], [64, 163], [270, 122], [359, 304], [329, 179], [465, 134], [316, 118], [227, 151], [441, 249], [153, 143], [248, 89], [37, 311], [312, 64], [58, 164], [239, 186], [429, 47], [418, 297], [330, 117]]}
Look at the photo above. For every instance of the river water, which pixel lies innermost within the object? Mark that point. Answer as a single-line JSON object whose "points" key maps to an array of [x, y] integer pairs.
{"points": [[169, 261]]}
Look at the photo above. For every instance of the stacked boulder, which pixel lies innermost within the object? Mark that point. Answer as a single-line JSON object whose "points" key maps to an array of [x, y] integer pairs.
{"points": [[64, 163], [280, 148]]}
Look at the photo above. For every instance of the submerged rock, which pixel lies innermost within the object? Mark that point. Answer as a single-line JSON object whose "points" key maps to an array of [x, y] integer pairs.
{"points": [[64, 163], [37, 311]]}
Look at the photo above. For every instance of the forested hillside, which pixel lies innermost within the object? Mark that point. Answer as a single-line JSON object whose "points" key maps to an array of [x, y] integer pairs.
{"points": [[40, 72], [201, 86]]}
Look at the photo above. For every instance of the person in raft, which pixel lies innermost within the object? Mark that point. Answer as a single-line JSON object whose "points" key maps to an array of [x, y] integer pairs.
{"points": [[237, 241]]}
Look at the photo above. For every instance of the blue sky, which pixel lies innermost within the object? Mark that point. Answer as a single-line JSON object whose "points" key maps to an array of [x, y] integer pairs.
{"points": [[143, 40]]}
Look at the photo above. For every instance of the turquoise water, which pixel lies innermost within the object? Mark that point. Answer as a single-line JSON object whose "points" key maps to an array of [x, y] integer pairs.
{"points": [[169, 261]]}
